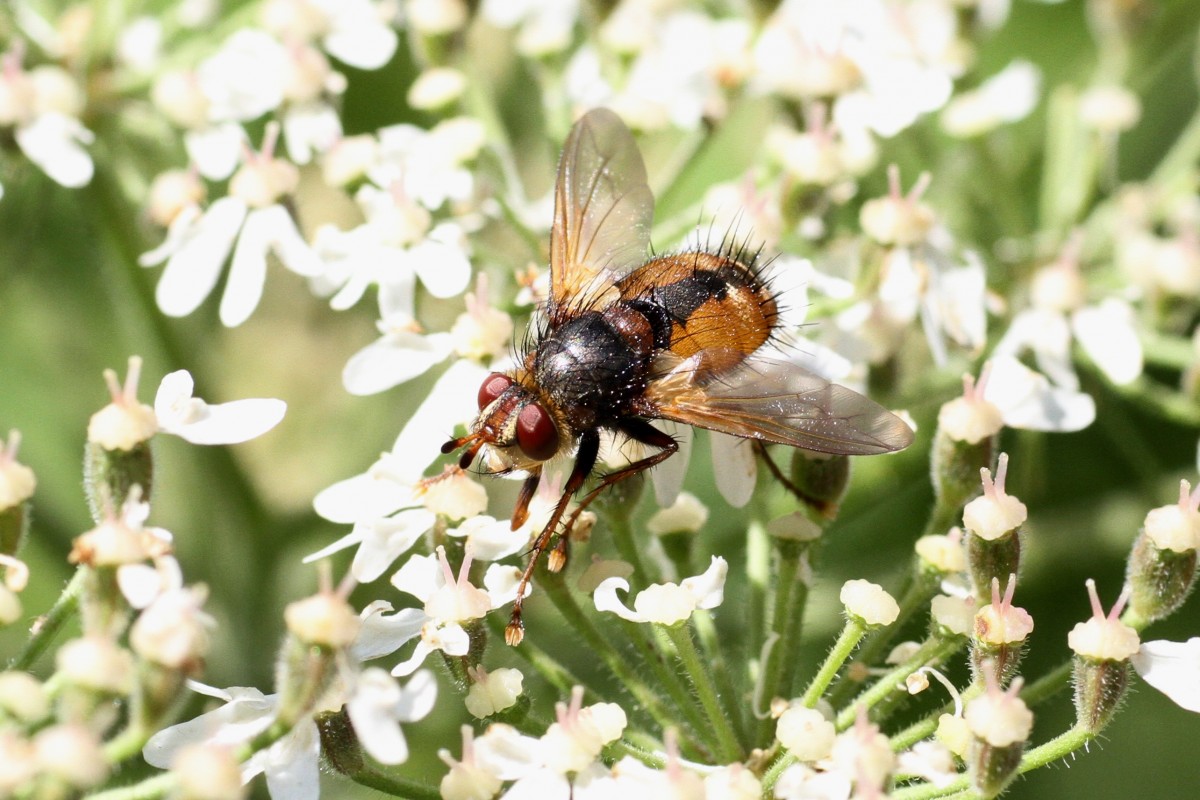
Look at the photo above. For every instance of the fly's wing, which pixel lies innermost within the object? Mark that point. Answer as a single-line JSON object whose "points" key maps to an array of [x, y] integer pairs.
{"points": [[776, 401], [603, 210]]}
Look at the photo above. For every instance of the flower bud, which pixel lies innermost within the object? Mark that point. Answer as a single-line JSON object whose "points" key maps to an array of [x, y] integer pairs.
{"points": [[11, 609], [898, 219], [454, 495], [467, 780], [865, 752], [869, 603], [993, 524], [117, 455], [98, 664], [1000, 723], [805, 732], [1162, 565], [23, 698], [16, 487], [16, 762], [494, 692], [1103, 647], [70, 753], [821, 478], [173, 631], [942, 554], [207, 772], [963, 445], [952, 616], [318, 626], [436, 88], [1000, 632]]}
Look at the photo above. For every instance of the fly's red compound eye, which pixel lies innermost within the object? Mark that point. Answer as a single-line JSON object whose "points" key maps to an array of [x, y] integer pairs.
{"points": [[536, 434], [492, 387]]}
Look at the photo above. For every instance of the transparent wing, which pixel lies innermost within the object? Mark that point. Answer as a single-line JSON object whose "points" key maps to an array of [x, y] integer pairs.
{"points": [[776, 401], [603, 210]]}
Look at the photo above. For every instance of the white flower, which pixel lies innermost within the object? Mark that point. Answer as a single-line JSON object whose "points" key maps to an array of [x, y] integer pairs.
{"points": [[666, 603], [449, 602], [245, 78], [429, 165], [55, 143], [545, 25], [378, 705], [198, 422], [43, 106], [291, 763], [252, 217], [1027, 400], [353, 31], [869, 603], [1007, 96], [1173, 668]]}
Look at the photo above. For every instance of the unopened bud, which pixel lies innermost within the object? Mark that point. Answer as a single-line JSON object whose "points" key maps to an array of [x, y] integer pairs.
{"points": [[805, 732], [869, 603], [117, 456], [72, 754], [1162, 566], [964, 444], [993, 524], [207, 772], [1000, 724], [1103, 647], [494, 692], [23, 698]]}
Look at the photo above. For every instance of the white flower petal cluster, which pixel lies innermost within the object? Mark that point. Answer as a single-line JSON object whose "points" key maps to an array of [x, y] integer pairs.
{"points": [[666, 603]]}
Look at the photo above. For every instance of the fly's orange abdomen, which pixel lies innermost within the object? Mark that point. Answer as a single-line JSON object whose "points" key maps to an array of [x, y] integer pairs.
{"points": [[702, 301]]}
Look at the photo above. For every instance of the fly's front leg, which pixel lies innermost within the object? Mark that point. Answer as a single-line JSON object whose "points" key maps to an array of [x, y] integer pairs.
{"points": [[585, 461]]}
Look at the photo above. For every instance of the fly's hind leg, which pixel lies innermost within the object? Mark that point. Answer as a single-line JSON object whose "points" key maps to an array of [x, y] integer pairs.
{"points": [[639, 431]]}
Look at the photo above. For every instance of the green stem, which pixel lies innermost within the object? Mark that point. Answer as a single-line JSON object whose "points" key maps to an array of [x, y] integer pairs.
{"points": [[1049, 684], [396, 787], [126, 745], [150, 789], [654, 646], [788, 597], [932, 651], [1056, 749], [731, 698], [49, 624], [621, 526], [702, 681], [617, 662], [849, 638], [916, 596], [342, 750]]}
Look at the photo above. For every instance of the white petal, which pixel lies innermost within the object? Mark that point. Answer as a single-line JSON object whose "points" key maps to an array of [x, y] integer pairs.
{"points": [[605, 598], [177, 235], [349, 540], [310, 129], [193, 270], [420, 576], [451, 401], [381, 634], [247, 713], [507, 753], [1173, 668], [1107, 334], [139, 583], [286, 242], [1027, 400], [501, 583], [233, 422], [52, 141], [361, 42], [441, 261], [370, 710], [248, 272], [491, 539], [541, 785], [292, 765], [215, 150], [709, 586], [393, 359], [375, 493], [734, 467], [418, 697], [668, 476], [174, 391], [386, 539], [1048, 335]]}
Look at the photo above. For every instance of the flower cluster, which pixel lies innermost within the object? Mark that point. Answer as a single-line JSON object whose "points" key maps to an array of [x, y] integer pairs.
{"points": [[940, 221]]}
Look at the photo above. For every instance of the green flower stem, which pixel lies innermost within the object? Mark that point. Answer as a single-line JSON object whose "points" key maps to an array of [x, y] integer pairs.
{"points": [[396, 787], [771, 776], [49, 624], [617, 662], [150, 789], [1056, 749], [849, 638], [919, 730], [915, 597], [788, 597], [729, 749], [615, 751], [730, 697], [932, 651], [758, 578], [127, 744], [621, 526], [1049, 684], [655, 649]]}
